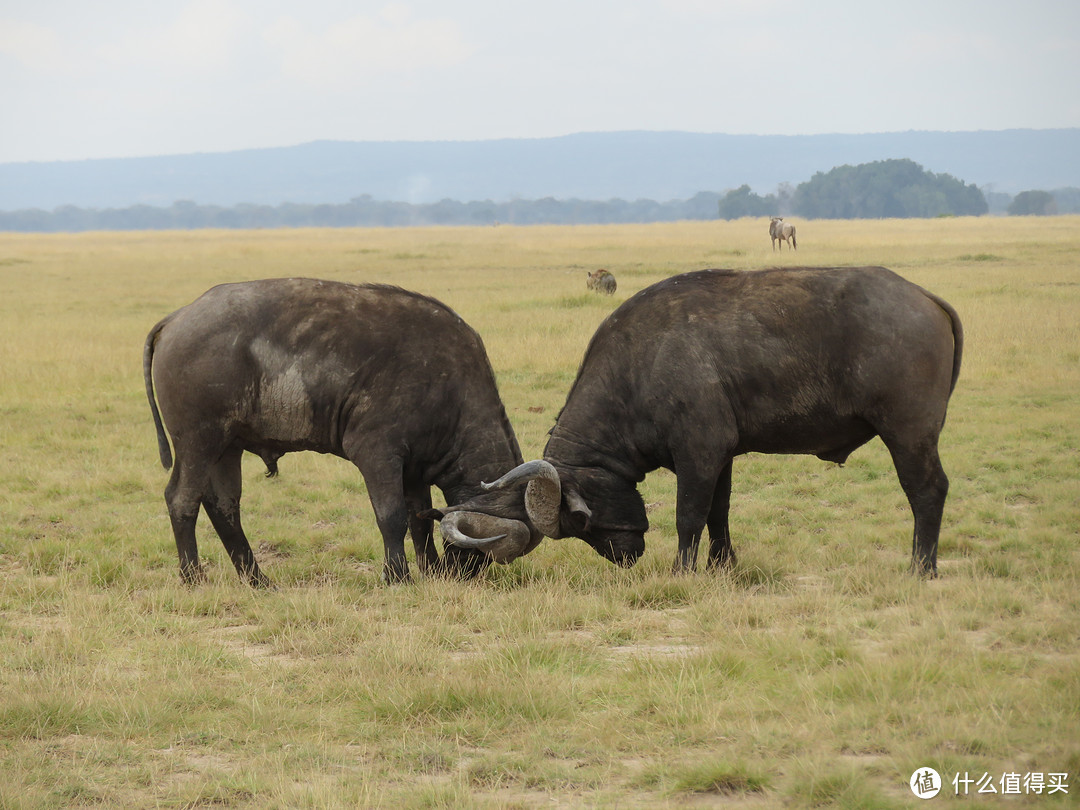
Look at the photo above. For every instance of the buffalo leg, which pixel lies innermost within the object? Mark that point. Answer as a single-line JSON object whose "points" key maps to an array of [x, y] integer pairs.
{"points": [[183, 496], [393, 522], [925, 484], [222, 504], [692, 508], [384, 474], [386, 491], [464, 563], [720, 551], [422, 530]]}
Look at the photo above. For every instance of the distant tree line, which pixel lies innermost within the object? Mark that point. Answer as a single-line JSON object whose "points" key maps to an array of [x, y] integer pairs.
{"points": [[888, 188], [361, 211], [1033, 203]]}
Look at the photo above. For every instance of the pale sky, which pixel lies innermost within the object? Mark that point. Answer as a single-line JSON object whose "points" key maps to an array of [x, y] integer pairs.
{"points": [[122, 78]]}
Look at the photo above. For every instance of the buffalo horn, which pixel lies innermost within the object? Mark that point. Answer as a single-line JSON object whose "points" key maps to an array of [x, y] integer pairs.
{"points": [[542, 496], [502, 539]]}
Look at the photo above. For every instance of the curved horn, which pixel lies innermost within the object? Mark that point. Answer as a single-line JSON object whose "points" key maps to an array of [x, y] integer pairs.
{"points": [[543, 495], [502, 539], [523, 472]]}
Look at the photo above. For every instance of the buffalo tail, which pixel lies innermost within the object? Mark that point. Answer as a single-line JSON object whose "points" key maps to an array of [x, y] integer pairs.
{"points": [[164, 452]]}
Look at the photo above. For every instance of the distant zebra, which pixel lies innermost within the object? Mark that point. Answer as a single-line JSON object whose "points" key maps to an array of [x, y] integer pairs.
{"points": [[602, 281], [778, 229]]}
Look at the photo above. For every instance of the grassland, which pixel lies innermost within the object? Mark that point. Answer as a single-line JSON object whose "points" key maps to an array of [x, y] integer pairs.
{"points": [[818, 673]]}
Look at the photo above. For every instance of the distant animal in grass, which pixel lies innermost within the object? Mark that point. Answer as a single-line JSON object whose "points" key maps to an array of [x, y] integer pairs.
{"points": [[784, 231], [601, 281]]}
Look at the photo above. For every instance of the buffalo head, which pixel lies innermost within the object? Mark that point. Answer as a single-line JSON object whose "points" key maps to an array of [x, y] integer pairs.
{"points": [[596, 505], [491, 523]]}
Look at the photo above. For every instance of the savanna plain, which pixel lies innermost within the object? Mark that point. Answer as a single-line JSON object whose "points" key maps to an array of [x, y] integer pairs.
{"points": [[817, 672]]}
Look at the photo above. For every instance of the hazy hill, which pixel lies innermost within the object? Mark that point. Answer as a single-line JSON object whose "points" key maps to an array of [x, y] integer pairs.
{"points": [[591, 166]]}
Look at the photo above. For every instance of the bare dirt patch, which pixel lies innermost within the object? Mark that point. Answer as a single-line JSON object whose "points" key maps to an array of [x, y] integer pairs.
{"points": [[235, 639]]}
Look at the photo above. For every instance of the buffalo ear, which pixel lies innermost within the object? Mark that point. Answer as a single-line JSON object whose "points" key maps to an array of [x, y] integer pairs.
{"points": [[431, 514], [580, 514], [579, 522]]}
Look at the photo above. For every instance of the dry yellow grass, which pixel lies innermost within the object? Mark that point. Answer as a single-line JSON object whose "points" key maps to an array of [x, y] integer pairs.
{"points": [[817, 673]]}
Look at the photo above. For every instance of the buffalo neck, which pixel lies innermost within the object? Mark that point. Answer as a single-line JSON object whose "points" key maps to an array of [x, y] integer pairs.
{"points": [[599, 448]]}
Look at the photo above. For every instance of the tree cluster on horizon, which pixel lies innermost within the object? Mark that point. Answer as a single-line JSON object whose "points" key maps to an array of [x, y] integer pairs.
{"points": [[879, 190], [882, 189]]}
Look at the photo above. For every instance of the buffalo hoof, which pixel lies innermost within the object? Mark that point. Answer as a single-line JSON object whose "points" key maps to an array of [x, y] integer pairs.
{"points": [[261, 581], [924, 565], [725, 561], [396, 575], [463, 563], [192, 576], [685, 562]]}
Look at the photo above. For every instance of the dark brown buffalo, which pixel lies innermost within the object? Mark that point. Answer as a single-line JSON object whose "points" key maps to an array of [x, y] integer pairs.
{"points": [[391, 380], [706, 366]]}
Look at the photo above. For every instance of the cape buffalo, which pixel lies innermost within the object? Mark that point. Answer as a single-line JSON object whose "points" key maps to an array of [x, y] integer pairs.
{"points": [[391, 380], [706, 366]]}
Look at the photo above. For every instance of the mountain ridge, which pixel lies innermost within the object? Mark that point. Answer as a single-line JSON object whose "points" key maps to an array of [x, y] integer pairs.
{"points": [[591, 165]]}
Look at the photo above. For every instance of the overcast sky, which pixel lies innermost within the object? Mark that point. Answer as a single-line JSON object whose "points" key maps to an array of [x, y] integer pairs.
{"points": [[119, 78]]}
